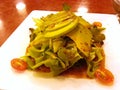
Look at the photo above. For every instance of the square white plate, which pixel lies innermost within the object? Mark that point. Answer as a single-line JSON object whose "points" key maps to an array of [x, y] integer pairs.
{"points": [[16, 44]]}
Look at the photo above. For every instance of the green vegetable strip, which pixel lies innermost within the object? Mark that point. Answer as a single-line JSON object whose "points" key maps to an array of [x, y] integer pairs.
{"points": [[62, 52]]}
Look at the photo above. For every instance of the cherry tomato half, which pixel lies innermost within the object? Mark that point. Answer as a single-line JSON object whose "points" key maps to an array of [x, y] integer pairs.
{"points": [[104, 76], [97, 24], [18, 64]]}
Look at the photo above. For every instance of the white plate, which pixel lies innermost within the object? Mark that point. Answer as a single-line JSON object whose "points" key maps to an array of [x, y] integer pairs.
{"points": [[16, 44]]}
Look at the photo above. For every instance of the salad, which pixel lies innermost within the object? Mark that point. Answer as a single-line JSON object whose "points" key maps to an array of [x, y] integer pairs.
{"points": [[62, 40]]}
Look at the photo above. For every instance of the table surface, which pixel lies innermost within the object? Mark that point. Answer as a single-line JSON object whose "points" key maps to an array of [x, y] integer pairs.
{"points": [[13, 12]]}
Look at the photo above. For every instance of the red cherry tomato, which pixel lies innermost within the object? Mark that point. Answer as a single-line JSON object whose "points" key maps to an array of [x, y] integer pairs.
{"points": [[104, 76], [18, 64], [97, 24]]}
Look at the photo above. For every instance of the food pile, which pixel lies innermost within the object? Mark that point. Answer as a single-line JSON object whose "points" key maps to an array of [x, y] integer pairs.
{"points": [[61, 40]]}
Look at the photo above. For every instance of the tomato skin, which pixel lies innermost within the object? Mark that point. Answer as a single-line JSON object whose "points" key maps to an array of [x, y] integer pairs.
{"points": [[104, 76], [97, 24], [18, 64]]}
